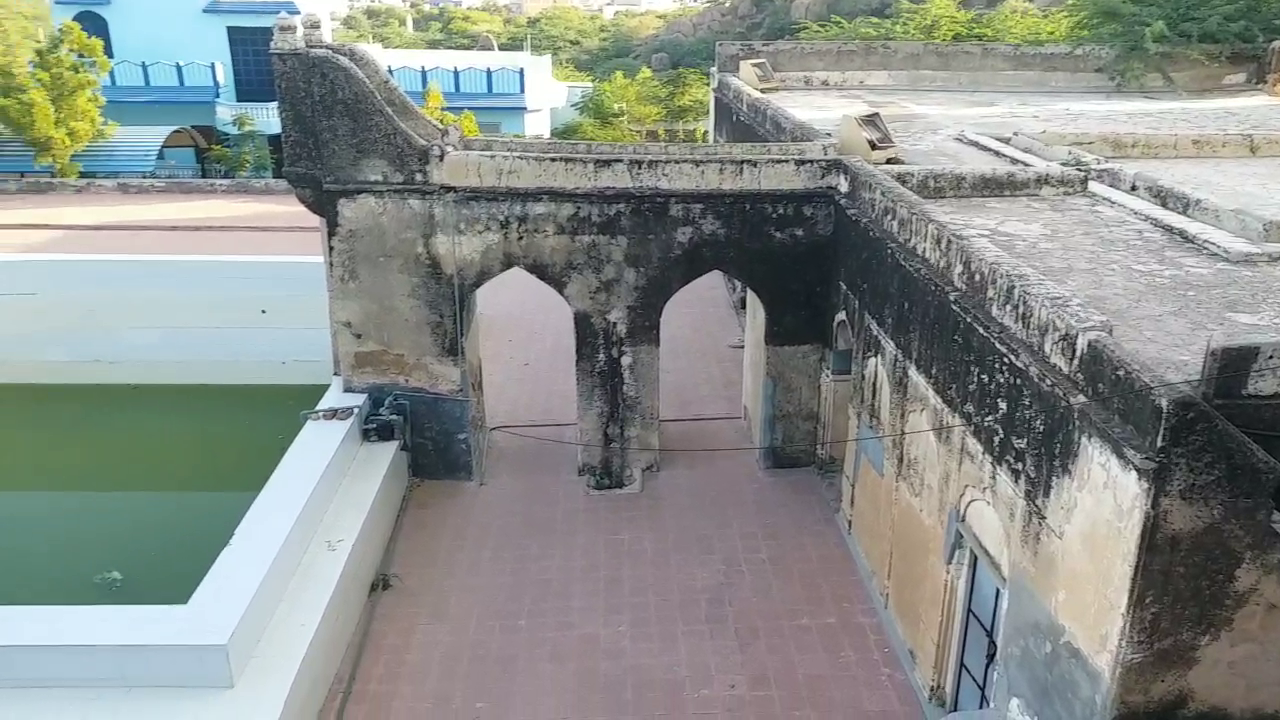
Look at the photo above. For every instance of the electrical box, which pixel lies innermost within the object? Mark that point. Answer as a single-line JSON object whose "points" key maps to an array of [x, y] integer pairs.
{"points": [[758, 74], [865, 134]]}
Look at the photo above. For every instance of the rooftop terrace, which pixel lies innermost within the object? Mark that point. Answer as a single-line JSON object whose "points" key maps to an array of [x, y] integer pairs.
{"points": [[1173, 239]]}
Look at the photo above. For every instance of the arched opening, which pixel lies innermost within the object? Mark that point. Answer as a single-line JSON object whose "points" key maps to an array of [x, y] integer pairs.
{"points": [[835, 395], [94, 25], [711, 366], [519, 348], [182, 154]]}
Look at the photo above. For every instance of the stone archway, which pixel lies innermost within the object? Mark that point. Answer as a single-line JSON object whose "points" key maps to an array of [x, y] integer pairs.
{"points": [[416, 223]]}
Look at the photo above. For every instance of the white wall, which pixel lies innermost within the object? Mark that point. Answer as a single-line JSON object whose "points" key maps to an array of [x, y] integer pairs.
{"points": [[164, 319]]}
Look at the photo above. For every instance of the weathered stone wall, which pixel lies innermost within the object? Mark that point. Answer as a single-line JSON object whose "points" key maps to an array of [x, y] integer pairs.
{"points": [[1053, 499], [1205, 621], [744, 115], [404, 267], [32, 186], [971, 65], [416, 223], [1104, 519], [1133, 532]]}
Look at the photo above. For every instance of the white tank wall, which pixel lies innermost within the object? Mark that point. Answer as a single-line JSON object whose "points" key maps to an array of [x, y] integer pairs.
{"points": [[163, 319]]}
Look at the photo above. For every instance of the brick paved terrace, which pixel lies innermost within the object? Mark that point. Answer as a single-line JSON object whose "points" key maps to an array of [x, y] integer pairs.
{"points": [[719, 591]]}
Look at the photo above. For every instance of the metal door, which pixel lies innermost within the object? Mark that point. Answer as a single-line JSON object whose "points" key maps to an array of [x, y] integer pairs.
{"points": [[980, 638]]}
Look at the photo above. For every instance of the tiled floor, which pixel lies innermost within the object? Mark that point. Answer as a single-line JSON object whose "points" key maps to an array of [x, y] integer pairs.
{"points": [[719, 591]]}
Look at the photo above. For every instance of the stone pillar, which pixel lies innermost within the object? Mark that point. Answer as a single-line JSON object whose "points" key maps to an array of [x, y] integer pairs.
{"points": [[781, 386], [617, 404], [794, 375]]}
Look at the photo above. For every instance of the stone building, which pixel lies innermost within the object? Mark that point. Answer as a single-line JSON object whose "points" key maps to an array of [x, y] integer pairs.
{"points": [[1059, 525]]}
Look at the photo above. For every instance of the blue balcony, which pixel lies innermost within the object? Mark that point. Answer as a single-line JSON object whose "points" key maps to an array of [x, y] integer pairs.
{"points": [[465, 88], [133, 81]]}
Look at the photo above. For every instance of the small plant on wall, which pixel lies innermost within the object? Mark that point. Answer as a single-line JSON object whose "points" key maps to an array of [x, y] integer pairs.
{"points": [[433, 106], [244, 153]]}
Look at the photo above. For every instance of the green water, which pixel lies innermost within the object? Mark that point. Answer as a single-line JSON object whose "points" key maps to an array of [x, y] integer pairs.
{"points": [[125, 494]]}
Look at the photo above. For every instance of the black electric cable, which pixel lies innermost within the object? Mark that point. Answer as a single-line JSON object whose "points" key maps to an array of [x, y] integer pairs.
{"points": [[753, 448]]}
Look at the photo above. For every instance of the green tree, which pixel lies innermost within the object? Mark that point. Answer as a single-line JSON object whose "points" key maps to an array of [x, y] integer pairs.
{"points": [[564, 72], [50, 92], [1144, 31], [433, 106], [688, 95], [1021, 22], [627, 108], [1013, 21], [244, 153]]}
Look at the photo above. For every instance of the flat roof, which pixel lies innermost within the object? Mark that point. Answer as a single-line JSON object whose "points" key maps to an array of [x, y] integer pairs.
{"points": [[925, 121], [158, 224], [1164, 295]]}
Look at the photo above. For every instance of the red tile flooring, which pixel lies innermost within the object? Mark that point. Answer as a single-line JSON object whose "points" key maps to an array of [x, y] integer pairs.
{"points": [[719, 591]]}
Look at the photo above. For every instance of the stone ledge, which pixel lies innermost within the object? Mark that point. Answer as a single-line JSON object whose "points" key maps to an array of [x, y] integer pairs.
{"points": [[42, 186], [1183, 201], [904, 63], [1157, 146], [573, 147], [508, 171], [1037, 310], [935, 183], [1213, 239], [769, 118]]}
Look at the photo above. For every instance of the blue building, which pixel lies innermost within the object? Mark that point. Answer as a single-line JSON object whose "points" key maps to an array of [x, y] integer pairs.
{"points": [[510, 93], [197, 64]]}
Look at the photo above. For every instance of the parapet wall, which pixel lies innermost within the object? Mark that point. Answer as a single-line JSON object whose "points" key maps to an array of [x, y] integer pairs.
{"points": [[800, 64], [42, 186]]}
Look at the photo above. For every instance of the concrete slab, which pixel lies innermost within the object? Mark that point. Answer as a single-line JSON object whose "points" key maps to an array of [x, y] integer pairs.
{"points": [[1163, 295], [1248, 183], [159, 224], [923, 120], [161, 210]]}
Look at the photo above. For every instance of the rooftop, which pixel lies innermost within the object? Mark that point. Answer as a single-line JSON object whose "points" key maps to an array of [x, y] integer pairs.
{"points": [[161, 223], [1164, 294]]}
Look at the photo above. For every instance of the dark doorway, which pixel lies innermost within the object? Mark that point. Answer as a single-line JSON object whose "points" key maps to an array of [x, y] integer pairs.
{"points": [[94, 25]]}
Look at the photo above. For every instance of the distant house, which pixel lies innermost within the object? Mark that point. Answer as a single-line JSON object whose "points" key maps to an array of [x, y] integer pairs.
{"points": [[510, 93], [195, 65]]}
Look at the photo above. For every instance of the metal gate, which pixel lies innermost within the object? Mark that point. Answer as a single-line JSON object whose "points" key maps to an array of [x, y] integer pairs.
{"points": [[980, 638]]}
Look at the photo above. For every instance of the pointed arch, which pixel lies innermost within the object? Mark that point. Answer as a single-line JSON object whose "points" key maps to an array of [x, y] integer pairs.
{"points": [[94, 25], [520, 335], [841, 347], [698, 329]]}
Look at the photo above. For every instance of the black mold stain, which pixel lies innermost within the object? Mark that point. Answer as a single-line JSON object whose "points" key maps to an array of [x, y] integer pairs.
{"points": [[1234, 364], [1180, 707], [749, 240], [974, 366], [1211, 519]]}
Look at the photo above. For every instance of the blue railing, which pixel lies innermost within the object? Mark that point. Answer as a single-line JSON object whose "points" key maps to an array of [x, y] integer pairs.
{"points": [[471, 80], [162, 81]]}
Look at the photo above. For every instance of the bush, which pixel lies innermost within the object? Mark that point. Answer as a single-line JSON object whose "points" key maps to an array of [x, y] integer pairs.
{"points": [[1013, 21]]}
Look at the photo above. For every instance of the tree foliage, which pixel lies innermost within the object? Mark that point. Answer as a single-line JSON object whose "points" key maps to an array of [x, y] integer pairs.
{"points": [[583, 43], [633, 108], [244, 153], [50, 93], [1013, 21], [434, 107], [1142, 32]]}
